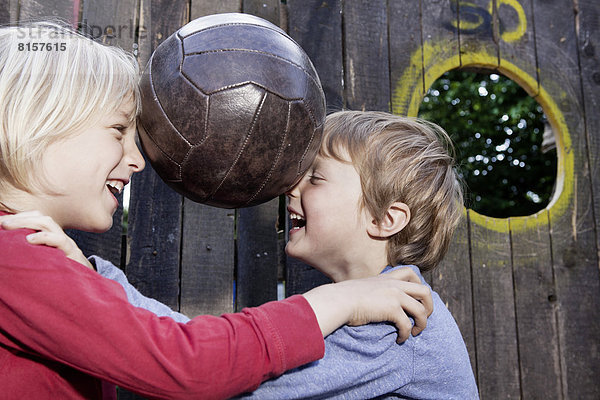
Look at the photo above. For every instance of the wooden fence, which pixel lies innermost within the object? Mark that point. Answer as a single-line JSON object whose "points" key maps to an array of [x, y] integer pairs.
{"points": [[524, 290]]}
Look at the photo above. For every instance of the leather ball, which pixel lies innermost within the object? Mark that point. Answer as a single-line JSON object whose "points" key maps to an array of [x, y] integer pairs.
{"points": [[232, 111]]}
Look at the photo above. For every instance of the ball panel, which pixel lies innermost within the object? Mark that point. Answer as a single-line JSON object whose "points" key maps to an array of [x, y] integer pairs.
{"points": [[185, 106], [306, 139], [230, 119], [168, 170], [153, 117], [217, 70], [247, 181], [250, 38], [229, 19]]}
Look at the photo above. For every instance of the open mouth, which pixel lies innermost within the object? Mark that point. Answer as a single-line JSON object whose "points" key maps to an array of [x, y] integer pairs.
{"points": [[297, 221], [115, 186]]}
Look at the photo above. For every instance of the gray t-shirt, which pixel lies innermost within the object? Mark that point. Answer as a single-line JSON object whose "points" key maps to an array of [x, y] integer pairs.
{"points": [[365, 362], [108, 270]]}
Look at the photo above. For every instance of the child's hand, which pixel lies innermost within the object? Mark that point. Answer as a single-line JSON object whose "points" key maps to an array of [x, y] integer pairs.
{"points": [[388, 297], [48, 233]]}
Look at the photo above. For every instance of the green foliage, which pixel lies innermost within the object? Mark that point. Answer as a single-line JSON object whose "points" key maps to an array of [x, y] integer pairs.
{"points": [[497, 129]]}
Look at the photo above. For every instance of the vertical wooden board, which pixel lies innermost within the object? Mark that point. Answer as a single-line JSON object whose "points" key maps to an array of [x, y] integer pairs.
{"points": [[154, 238], [476, 26], [207, 260], [200, 8], [257, 261], [452, 281], [158, 19], [267, 9], [366, 56], [67, 10], [301, 277], [406, 56], [155, 213], [111, 22], [573, 235], [317, 26], [514, 34], [440, 39], [5, 12], [589, 59], [535, 305], [494, 308]]}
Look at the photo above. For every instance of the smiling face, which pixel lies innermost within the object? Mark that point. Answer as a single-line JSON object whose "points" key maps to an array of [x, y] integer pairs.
{"points": [[329, 228], [84, 171]]}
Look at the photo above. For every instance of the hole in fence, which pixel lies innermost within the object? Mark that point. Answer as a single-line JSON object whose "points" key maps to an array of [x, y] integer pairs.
{"points": [[505, 147]]}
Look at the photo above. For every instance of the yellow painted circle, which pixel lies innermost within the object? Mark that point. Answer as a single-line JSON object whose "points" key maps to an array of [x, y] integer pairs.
{"points": [[408, 95]]}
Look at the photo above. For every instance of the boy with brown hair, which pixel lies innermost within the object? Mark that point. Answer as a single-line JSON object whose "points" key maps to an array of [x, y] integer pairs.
{"points": [[382, 194]]}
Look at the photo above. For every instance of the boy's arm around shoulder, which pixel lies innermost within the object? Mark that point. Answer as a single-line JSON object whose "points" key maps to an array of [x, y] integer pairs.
{"points": [[53, 307]]}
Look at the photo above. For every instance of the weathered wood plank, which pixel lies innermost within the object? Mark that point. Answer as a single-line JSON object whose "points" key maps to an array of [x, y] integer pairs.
{"points": [[66, 10], [200, 8], [406, 57], [257, 258], [267, 9], [589, 59], [476, 33], [516, 42], [317, 26], [111, 22], [5, 9], [535, 305], [366, 63], [440, 39], [494, 308], [155, 216], [452, 281], [207, 260], [574, 251]]}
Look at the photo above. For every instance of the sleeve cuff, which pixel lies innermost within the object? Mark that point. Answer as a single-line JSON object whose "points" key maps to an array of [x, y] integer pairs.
{"points": [[297, 336]]}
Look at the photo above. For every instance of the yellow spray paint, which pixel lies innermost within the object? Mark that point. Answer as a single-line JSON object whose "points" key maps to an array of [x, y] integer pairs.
{"points": [[408, 95], [507, 36], [519, 31]]}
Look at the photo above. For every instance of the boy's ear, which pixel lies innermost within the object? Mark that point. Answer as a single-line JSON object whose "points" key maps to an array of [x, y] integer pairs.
{"points": [[395, 219]]}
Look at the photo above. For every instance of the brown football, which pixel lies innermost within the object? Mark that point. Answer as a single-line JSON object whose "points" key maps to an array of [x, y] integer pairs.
{"points": [[232, 110]]}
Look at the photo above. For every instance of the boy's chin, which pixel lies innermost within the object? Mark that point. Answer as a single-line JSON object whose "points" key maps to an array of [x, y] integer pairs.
{"points": [[96, 227], [291, 252]]}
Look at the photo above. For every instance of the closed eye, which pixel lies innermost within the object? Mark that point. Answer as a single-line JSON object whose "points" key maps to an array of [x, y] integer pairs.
{"points": [[313, 179], [121, 129]]}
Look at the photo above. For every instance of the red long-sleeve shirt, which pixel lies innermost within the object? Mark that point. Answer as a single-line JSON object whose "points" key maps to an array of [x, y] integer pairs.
{"points": [[64, 329]]}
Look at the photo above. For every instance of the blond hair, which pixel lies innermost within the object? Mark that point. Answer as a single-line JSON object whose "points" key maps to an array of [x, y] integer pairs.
{"points": [[404, 160], [54, 82]]}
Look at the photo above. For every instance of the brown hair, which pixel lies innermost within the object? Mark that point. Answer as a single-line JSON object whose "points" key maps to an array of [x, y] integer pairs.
{"points": [[406, 160]]}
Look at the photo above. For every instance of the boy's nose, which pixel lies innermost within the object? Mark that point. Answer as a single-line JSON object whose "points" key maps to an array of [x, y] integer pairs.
{"points": [[294, 191], [134, 158]]}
